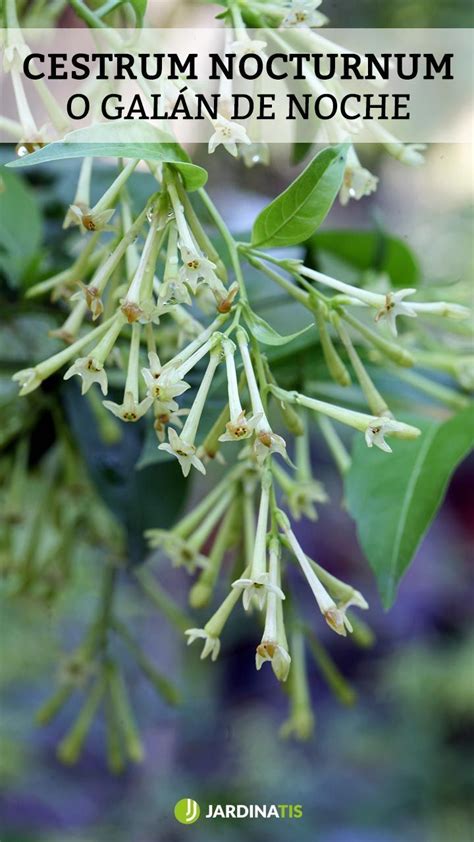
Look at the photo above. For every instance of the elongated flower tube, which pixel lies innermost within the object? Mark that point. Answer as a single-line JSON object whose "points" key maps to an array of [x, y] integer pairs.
{"points": [[374, 428], [91, 368], [173, 290], [266, 441], [196, 267], [239, 427], [258, 585], [274, 645], [164, 383], [344, 594], [185, 550], [92, 292], [135, 303], [214, 627], [188, 525], [195, 349], [357, 181], [131, 409], [69, 330], [371, 299], [30, 378], [182, 446], [97, 218], [389, 305], [334, 617]]}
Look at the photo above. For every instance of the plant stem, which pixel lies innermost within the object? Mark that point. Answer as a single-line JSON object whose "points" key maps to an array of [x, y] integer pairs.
{"points": [[229, 241]]}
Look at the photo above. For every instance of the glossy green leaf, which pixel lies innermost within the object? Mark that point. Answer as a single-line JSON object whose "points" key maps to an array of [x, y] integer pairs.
{"points": [[267, 335], [20, 227], [374, 250], [82, 143], [394, 497], [296, 213]]}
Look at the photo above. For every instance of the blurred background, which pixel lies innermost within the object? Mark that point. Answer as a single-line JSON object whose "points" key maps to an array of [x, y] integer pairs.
{"points": [[394, 765]]}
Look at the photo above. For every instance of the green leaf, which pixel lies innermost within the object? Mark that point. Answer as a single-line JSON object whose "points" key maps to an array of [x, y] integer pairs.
{"points": [[266, 334], [296, 213], [139, 7], [371, 250], [83, 143], [20, 226], [300, 151], [394, 498]]}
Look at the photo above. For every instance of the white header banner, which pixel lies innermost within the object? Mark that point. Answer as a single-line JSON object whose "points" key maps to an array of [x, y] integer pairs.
{"points": [[273, 86]]}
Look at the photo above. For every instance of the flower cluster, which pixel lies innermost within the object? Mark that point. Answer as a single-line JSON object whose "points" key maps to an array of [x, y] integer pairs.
{"points": [[153, 307]]}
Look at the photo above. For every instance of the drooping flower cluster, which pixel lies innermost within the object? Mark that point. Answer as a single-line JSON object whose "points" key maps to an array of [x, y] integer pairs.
{"points": [[151, 309]]}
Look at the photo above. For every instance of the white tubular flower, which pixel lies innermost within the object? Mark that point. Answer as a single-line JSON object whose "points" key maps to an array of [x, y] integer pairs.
{"points": [[358, 420], [274, 646], [187, 358], [87, 219], [163, 419], [365, 296], [238, 427], [138, 303], [161, 387], [91, 295], [344, 594], [300, 494], [302, 14], [334, 616], [29, 380], [356, 600], [268, 650], [184, 452], [173, 291], [357, 181], [258, 584], [183, 446], [394, 306], [228, 134], [91, 368], [130, 409], [410, 154], [183, 544], [266, 441], [380, 427], [442, 308], [196, 268], [214, 627], [211, 646]]}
